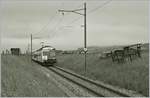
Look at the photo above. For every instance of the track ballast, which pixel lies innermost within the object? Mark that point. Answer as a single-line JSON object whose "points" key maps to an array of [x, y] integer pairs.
{"points": [[95, 88]]}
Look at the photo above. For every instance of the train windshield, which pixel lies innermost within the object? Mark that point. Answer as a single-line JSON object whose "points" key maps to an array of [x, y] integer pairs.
{"points": [[45, 53], [50, 53]]}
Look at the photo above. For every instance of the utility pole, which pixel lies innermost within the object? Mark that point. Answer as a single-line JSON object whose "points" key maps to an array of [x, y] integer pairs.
{"points": [[85, 39], [28, 49], [85, 48], [31, 47]]}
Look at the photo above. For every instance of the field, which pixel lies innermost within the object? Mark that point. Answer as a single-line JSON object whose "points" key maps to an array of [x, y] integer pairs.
{"points": [[22, 78], [130, 75]]}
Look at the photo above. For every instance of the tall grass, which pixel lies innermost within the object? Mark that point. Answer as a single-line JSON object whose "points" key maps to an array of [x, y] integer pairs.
{"points": [[21, 78], [130, 75]]}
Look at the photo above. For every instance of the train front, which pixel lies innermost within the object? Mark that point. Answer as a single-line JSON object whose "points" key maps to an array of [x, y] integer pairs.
{"points": [[49, 56]]}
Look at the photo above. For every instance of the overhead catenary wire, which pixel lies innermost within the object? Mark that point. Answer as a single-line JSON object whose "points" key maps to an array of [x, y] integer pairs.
{"points": [[57, 25], [50, 20], [73, 21], [44, 28], [91, 11], [54, 29], [75, 18], [100, 6]]}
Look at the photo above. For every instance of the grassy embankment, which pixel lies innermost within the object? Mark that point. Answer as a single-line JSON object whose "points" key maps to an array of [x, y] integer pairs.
{"points": [[20, 77], [130, 75]]}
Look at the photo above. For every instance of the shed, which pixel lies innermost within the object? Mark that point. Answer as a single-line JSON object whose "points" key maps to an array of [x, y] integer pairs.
{"points": [[15, 51]]}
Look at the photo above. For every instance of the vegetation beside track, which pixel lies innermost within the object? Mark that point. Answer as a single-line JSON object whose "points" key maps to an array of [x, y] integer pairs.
{"points": [[130, 75], [21, 78]]}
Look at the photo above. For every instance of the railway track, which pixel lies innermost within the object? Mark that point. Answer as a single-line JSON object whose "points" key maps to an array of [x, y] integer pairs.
{"points": [[95, 88]]}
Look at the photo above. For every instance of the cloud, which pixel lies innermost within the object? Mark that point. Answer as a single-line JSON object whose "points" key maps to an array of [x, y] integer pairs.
{"points": [[119, 22]]}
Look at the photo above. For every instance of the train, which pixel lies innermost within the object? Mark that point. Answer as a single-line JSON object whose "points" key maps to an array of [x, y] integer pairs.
{"points": [[45, 56]]}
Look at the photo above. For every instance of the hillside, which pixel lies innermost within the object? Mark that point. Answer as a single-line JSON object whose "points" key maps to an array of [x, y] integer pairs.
{"points": [[100, 49]]}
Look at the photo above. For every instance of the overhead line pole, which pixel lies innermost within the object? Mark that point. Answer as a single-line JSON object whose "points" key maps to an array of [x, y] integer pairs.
{"points": [[85, 44], [85, 38], [31, 47], [32, 44]]}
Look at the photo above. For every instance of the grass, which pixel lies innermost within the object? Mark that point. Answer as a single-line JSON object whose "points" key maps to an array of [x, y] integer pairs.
{"points": [[21, 78], [130, 75]]}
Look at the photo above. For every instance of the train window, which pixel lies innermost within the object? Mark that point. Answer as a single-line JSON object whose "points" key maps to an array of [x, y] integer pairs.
{"points": [[45, 53], [52, 53], [49, 53]]}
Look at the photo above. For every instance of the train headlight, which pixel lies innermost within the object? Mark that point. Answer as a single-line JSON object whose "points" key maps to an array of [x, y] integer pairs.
{"points": [[53, 58], [44, 58]]}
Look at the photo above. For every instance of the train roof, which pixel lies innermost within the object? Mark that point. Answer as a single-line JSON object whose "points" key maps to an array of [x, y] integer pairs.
{"points": [[44, 47]]}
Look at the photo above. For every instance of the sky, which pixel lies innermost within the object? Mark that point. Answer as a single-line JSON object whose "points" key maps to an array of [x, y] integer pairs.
{"points": [[109, 22]]}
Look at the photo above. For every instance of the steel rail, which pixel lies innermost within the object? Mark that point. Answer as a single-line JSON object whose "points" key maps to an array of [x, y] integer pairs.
{"points": [[108, 87], [92, 91]]}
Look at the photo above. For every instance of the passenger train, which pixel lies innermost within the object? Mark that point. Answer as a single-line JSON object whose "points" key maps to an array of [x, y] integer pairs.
{"points": [[45, 56]]}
